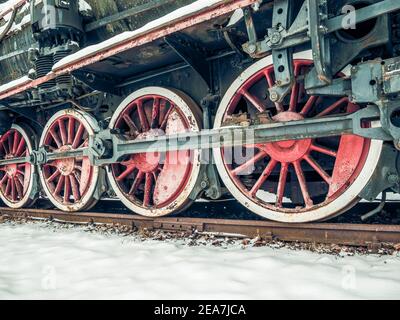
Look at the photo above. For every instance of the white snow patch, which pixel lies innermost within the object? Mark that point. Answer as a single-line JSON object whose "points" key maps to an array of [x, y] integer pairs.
{"points": [[8, 4], [84, 7], [38, 263], [15, 83], [131, 35], [236, 17], [16, 27]]}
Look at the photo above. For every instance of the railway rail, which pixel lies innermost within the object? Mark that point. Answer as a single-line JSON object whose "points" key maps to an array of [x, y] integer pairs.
{"points": [[277, 104], [362, 235]]}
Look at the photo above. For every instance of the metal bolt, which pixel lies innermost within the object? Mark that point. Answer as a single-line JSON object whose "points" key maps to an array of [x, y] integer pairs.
{"points": [[393, 178], [275, 38], [274, 96], [252, 48], [204, 185]]}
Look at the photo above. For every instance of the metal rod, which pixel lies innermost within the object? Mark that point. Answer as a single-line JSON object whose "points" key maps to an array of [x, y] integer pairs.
{"points": [[370, 12]]}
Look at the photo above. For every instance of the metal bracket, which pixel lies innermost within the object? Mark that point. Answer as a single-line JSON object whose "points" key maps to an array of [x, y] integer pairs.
{"points": [[386, 174], [192, 54], [98, 81], [317, 13]]}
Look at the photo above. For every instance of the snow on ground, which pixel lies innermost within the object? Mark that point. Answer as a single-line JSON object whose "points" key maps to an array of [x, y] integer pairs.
{"points": [[40, 262]]}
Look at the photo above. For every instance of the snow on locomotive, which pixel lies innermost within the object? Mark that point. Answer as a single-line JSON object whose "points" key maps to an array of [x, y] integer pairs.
{"points": [[291, 107]]}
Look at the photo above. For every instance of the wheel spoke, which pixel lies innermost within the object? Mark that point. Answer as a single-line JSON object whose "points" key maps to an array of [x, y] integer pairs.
{"points": [[134, 131], [294, 97], [75, 188], [324, 150], [282, 184], [333, 107], [16, 142], [155, 113], [10, 143], [21, 148], [270, 80], [264, 176], [13, 190], [78, 136], [3, 181], [147, 189], [136, 183], [253, 100], [20, 178], [303, 184], [59, 186], [56, 138], [309, 105], [71, 130], [19, 188], [164, 122], [126, 173], [54, 176], [142, 117], [261, 155], [319, 169], [6, 150], [63, 131], [8, 187], [67, 190]]}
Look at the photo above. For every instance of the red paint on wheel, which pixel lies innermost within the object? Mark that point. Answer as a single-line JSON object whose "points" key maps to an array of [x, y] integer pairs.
{"points": [[152, 180], [14, 178], [68, 179], [295, 167]]}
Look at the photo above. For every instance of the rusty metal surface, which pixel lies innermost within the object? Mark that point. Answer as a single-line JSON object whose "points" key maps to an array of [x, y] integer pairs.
{"points": [[157, 33], [328, 233]]}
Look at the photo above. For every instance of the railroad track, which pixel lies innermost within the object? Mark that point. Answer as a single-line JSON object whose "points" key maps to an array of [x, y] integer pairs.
{"points": [[364, 235]]}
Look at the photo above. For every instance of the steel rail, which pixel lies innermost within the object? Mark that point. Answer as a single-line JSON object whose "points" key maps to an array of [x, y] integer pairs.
{"points": [[325, 233]]}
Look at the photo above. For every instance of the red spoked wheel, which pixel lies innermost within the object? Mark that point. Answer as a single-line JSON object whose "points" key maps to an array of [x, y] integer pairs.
{"points": [[69, 183], [293, 181], [17, 180], [155, 184]]}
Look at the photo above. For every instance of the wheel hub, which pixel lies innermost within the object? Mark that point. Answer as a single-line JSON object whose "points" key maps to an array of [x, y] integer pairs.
{"points": [[66, 166], [290, 150], [11, 170], [148, 162]]}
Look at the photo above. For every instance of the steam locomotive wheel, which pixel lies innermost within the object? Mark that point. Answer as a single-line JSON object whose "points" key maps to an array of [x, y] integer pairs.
{"points": [[69, 183], [17, 180], [155, 184], [293, 181]]}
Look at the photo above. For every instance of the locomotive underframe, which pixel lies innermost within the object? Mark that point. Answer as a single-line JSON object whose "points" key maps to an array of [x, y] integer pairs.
{"points": [[374, 83]]}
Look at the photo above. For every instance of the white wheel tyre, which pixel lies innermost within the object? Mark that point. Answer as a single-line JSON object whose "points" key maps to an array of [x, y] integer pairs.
{"points": [[339, 202], [70, 183], [145, 184], [17, 181]]}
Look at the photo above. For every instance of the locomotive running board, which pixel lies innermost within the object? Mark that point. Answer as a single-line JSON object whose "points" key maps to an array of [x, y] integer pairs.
{"points": [[87, 57]]}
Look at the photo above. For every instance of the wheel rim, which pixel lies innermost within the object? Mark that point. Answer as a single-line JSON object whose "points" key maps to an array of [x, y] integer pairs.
{"points": [[16, 180], [154, 184], [306, 180], [69, 183]]}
